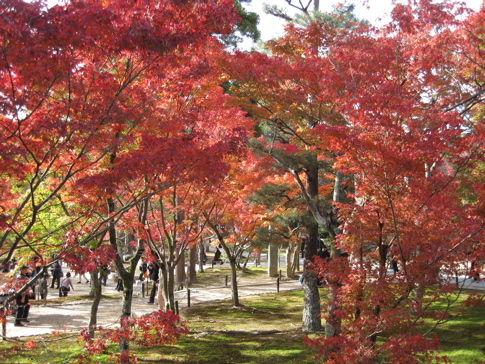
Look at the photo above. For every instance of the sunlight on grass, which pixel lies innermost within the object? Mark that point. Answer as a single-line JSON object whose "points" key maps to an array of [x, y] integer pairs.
{"points": [[265, 329]]}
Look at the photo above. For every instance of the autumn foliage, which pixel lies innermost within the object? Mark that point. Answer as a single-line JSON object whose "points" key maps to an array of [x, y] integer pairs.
{"points": [[158, 328], [114, 115], [398, 110]]}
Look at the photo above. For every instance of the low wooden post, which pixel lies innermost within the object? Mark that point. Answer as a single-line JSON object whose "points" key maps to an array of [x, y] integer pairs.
{"points": [[177, 307], [188, 297], [143, 290], [278, 284], [227, 277]]}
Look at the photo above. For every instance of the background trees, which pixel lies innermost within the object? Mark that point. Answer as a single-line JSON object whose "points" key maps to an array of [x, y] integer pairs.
{"points": [[390, 110], [108, 107]]}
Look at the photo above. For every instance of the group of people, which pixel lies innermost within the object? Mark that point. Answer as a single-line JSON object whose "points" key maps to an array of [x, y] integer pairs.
{"points": [[22, 299], [26, 293]]}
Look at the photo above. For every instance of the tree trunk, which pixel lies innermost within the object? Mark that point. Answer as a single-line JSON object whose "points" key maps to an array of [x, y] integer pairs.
{"points": [[169, 287], [272, 261], [246, 260], [127, 276], [311, 301], [180, 271], [97, 292], [289, 266], [296, 258], [332, 324], [201, 256], [92, 290], [126, 304], [292, 258], [234, 290], [192, 264], [162, 302]]}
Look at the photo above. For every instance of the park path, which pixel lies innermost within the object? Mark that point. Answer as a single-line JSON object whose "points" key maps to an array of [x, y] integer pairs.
{"points": [[75, 316], [55, 317]]}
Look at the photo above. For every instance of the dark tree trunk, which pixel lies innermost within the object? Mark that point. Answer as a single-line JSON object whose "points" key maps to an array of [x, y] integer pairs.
{"points": [[169, 287], [311, 299], [97, 292], [127, 275], [234, 289], [180, 269], [192, 264], [311, 302]]}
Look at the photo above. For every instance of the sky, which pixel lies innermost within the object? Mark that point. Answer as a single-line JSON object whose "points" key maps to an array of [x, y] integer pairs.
{"points": [[272, 27]]}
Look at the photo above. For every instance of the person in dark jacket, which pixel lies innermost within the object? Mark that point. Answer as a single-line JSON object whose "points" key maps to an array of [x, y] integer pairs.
{"points": [[217, 254], [56, 275], [153, 271]]}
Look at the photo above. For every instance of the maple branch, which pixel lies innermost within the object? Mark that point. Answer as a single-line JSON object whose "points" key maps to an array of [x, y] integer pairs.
{"points": [[159, 248], [475, 98], [311, 204], [452, 178]]}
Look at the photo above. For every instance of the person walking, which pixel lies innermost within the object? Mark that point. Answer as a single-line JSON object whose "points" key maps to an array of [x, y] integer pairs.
{"points": [[22, 300], [56, 275], [43, 288], [81, 276], [105, 271], [66, 285]]}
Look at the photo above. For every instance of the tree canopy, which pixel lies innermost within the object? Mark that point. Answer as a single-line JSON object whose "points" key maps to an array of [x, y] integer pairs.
{"points": [[122, 117]]}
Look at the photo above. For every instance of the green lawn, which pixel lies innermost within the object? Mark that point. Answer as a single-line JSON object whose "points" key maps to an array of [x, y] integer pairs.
{"points": [[265, 330]]}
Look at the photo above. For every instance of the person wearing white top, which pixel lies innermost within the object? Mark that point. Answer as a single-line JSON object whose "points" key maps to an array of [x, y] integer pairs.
{"points": [[66, 285]]}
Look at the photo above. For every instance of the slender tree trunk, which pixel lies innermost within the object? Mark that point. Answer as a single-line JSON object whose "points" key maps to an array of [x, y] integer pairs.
{"points": [[311, 298], [126, 304], [333, 322], [296, 258], [127, 275], [162, 302], [292, 259], [201, 256], [169, 287], [163, 298], [92, 290], [180, 269], [234, 289], [192, 264], [97, 292], [311, 301], [246, 260], [290, 272]]}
